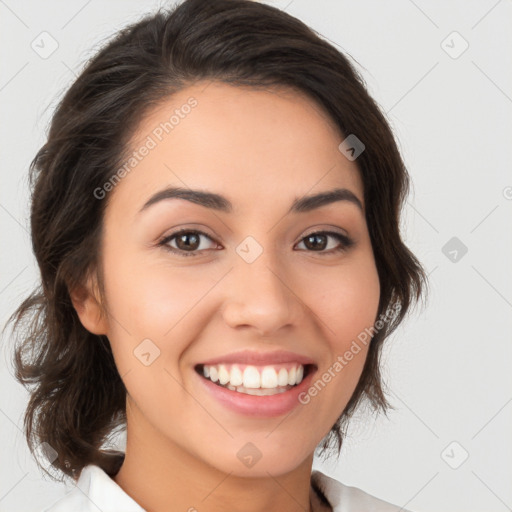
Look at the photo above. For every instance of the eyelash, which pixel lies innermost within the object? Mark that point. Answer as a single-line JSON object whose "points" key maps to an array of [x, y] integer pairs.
{"points": [[345, 242]]}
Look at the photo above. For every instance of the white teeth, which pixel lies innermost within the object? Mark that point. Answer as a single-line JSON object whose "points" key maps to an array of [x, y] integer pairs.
{"points": [[292, 376], [223, 375], [282, 377], [269, 377], [213, 374], [236, 378], [300, 374], [252, 377], [259, 391]]}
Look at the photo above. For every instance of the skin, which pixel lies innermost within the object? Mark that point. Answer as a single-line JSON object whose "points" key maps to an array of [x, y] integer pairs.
{"points": [[261, 149]]}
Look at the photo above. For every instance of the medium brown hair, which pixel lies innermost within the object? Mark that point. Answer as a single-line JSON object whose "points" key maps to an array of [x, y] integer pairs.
{"points": [[77, 398]]}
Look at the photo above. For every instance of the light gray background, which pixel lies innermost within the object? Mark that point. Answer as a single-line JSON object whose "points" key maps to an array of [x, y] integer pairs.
{"points": [[448, 366]]}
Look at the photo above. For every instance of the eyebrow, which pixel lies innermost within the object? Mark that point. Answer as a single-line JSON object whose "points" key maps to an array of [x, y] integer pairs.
{"points": [[222, 204]]}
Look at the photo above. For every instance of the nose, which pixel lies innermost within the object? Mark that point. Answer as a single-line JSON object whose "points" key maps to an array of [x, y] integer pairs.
{"points": [[261, 296]]}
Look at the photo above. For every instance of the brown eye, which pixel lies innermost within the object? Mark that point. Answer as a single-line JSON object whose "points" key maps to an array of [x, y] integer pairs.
{"points": [[317, 242], [187, 242]]}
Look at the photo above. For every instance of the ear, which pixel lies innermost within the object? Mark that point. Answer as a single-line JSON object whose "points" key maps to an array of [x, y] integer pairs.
{"points": [[87, 303]]}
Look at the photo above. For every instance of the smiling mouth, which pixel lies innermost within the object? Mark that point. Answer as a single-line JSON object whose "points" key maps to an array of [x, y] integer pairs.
{"points": [[256, 380]]}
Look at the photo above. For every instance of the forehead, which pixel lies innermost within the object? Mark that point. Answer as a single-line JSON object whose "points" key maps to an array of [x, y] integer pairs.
{"points": [[255, 146]]}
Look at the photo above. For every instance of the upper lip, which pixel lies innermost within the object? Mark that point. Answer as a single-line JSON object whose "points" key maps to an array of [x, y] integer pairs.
{"points": [[260, 358]]}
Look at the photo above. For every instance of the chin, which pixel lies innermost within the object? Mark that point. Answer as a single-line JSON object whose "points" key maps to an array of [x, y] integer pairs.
{"points": [[261, 459]]}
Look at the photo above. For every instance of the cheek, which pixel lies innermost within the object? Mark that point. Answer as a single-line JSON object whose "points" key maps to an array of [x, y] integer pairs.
{"points": [[166, 298], [148, 300], [346, 300], [148, 295], [347, 308]]}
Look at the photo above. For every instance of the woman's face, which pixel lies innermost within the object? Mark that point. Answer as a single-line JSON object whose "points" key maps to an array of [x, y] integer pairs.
{"points": [[255, 281]]}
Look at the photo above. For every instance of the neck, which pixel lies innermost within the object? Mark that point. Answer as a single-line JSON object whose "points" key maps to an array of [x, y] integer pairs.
{"points": [[162, 476]]}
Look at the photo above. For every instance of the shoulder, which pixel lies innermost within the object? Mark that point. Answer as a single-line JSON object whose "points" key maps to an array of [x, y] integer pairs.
{"points": [[344, 498], [94, 491]]}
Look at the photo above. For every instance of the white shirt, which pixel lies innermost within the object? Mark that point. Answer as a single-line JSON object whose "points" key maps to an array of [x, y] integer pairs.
{"points": [[95, 491]]}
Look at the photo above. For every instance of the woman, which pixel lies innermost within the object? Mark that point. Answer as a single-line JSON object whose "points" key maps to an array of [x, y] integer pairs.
{"points": [[215, 215]]}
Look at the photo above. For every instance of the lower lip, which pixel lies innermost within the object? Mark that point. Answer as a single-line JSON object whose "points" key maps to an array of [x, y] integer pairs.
{"points": [[261, 406]]}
